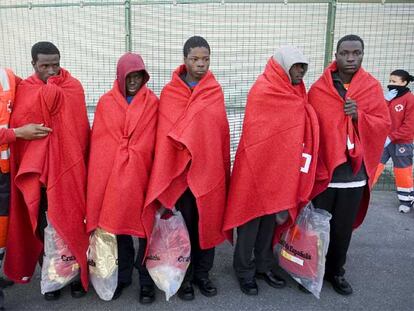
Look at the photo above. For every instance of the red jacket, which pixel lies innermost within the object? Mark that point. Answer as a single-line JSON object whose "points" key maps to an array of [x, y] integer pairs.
{"points": [[402, 119]]}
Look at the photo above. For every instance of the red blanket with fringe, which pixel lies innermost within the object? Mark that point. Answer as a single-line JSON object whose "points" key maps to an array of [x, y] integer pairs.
{"points": [[343, 139], [192, 151], [121, 155], [56, 162], [275, 162]]}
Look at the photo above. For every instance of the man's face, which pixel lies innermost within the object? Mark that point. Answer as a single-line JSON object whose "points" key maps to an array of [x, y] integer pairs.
{"points": [[133, 82], [46, 66], [297, 72], [349, 57], [197, 63]]}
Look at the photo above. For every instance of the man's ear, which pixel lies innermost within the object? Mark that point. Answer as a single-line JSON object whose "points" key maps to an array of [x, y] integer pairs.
{"points": [[33, 63]]}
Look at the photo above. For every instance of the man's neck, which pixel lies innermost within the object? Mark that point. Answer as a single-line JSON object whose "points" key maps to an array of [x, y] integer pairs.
{"points": [[345, 78], [189, 79]]}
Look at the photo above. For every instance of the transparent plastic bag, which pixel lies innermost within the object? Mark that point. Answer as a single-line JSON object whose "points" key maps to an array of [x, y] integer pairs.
{"points": [[59, 266], [303, 247], [103, 263], [169, 252]]}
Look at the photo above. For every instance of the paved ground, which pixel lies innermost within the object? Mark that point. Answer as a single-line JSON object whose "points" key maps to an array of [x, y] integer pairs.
{"points": [[380, 268]]}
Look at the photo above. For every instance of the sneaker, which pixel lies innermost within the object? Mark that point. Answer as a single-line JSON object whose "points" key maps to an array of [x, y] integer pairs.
{"points": [[404, 209]]}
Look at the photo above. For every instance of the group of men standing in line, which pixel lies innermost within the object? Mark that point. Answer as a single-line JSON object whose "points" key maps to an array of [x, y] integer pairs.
{"points": [[144, 153]]}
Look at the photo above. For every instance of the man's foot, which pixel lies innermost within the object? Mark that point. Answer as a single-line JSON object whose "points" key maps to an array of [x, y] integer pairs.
{"points": [[186, 291], [272, 279], [5, 282], [249, 286], [340, 285], [303, 289], [76, 289], [206, 287], [119, 289], [404, 209], [147, 294], [49, 296]]}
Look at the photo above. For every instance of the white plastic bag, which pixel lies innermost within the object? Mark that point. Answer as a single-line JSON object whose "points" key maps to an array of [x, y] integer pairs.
{"points": [[59, 264], [303, 248], [169, 253], [103, 263]]}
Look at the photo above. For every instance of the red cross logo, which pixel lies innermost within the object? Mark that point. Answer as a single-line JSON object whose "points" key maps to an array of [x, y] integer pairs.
{"points": [[399, 108]]}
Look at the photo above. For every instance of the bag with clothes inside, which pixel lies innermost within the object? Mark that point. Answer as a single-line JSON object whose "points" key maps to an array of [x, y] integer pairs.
{"points": [[103, 263], [303, 247], [169, 251], [59, 266]]}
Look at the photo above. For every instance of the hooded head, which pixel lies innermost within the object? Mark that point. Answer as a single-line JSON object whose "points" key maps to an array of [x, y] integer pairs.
{"points": [[293, 62], [133, 64]]}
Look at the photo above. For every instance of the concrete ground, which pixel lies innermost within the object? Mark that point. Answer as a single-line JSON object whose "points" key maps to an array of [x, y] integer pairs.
{"points": [[380, 267]]}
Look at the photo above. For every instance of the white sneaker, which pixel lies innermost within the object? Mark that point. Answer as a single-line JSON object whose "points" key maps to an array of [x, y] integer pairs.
{"points": [[404, 209]]}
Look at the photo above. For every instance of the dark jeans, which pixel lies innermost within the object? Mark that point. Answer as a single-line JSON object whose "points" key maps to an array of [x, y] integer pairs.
{"points": [[256, 237], [144, 276], [343, 204], [201, 259]]}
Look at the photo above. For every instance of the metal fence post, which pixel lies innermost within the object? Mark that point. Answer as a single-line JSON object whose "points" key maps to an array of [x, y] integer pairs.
{"points": [[128, 38], [330, 32]]}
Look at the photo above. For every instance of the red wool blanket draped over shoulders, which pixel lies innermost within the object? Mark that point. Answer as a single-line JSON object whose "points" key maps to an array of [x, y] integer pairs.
{"points": [[341, 138], [122, 150], [275, 162], [192, 150], [58, 163]]}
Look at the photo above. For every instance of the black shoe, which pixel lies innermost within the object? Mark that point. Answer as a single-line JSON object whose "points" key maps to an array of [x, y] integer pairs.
{"points": [[272, 279], [76, 289], [5, 282], [119, 289], [340, 285], [147, 294], [206, 287], [249, 286], [303, 289], [186, 291], [49, 296]]}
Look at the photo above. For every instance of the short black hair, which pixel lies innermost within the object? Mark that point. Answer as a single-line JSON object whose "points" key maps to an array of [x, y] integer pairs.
{"points": [[44, 47], [350, 38], [404, 75], [195, 42]]}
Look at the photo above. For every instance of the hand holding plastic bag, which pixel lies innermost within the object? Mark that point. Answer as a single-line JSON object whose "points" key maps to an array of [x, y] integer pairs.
{"points": [[303, 248], [169, 253], [59, 264], [103, 263]]}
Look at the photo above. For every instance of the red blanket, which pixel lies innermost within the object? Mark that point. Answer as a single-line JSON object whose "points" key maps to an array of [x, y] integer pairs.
{"points": [[57, 162], [343, 139], [274, 168], [192, 150], [122, 149]]}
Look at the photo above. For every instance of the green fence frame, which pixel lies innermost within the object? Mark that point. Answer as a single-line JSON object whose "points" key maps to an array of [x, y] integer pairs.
{"points": [[330, 19]]}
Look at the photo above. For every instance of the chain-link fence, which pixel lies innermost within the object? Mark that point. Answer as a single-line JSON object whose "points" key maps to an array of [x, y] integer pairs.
{"points": [[91, 36]]}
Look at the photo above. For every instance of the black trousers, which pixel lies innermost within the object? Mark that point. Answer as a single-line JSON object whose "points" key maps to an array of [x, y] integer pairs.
{"points": [[343, 204], [201, 259], [254, 237], [126, 253], [144, 276]]}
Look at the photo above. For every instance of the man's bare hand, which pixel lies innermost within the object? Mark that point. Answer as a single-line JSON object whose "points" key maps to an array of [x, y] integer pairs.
{"points": [[351, 109], [32, 131]]}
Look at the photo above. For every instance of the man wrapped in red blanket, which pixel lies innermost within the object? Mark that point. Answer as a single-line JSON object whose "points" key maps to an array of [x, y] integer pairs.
{"points": [[354, 122], [120, 161], [192, 161], [49, 174], [274, 168]]}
